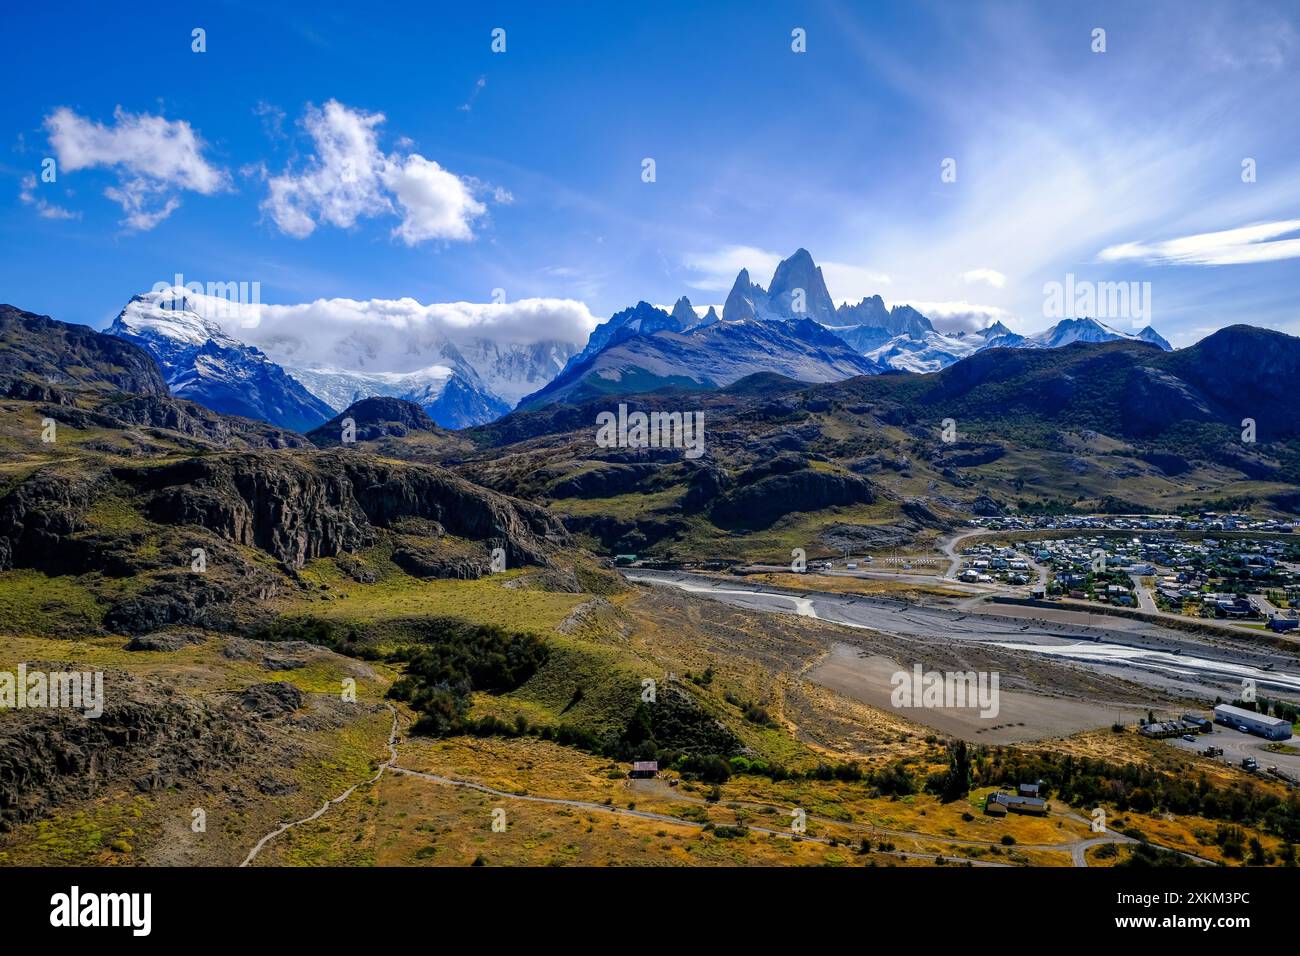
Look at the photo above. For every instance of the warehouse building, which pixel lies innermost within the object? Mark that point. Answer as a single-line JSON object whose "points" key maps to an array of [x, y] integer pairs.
{"points": [[1273, 728]]}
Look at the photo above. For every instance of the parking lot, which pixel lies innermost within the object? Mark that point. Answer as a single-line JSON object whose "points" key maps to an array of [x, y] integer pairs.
{"points": [[1237, 747]]}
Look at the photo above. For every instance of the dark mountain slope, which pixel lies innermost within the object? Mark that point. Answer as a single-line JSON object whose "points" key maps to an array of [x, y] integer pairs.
{"points": [[39, 355], [1117, 388]]}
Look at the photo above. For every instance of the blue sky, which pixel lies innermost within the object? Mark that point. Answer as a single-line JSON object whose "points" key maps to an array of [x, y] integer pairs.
{"points": [[266, 159]]}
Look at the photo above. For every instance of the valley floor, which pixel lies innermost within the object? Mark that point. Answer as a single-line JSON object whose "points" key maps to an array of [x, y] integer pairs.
{"points": [[358, 788]]}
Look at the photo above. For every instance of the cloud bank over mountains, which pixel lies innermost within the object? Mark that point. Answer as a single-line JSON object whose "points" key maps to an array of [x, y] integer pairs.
{"points": [[389, 335]]}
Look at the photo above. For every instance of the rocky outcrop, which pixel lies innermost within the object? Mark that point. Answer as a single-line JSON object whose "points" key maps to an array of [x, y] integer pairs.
{"points": [[924, 516], [873, 464], [706, 483], [968, 454], [856, 538], [627, 535], [205, 428], [165, 641], [194, 421], [779, 465], [143, 738], [187, 599], [603, 481], [38, 515], [272, 700], [759, 504]]}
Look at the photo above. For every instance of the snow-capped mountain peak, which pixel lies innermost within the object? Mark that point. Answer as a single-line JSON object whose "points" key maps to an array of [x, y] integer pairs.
{"points": [[174, 315], [204, 363], [800, 276], [1068, 331]]}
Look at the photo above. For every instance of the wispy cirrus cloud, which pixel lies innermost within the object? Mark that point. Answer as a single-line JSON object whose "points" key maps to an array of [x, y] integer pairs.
{"points": [[156, 159], [717, 270], [46, 210], [1260, 242]]}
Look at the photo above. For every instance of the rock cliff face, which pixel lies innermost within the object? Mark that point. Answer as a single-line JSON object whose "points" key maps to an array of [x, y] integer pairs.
{"points": [[297, 508], [144, 522], [781, 490], [603, 481], [38, 515]]}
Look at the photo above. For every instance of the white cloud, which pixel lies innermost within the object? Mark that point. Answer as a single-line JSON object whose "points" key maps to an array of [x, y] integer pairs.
{"points": [[44, 209], [1246, 244], [392, 335], [991, 276], [468, 105], [272, 119], [155, 159], [343, 180], [351, 178], [959, 316], [436, 204]]}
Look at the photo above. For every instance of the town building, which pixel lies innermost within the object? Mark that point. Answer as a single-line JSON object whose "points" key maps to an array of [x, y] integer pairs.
{"points": [[1272, 728]]}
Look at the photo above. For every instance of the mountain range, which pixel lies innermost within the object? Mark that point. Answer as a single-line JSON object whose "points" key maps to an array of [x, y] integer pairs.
{"points": [[792, 328], [466, 383], [646, 348]]}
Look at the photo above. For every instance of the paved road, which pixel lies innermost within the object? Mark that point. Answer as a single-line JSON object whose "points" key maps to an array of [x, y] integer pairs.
{"points": [[952, 548], [1145, 601]]}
